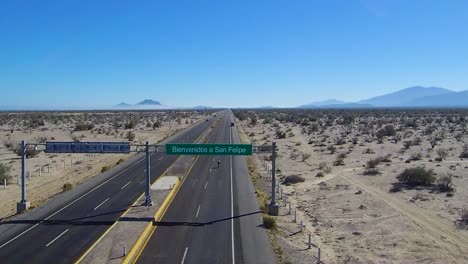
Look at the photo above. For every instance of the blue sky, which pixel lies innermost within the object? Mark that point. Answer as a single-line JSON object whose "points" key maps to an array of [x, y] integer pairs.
{"points": [[226, 53]]}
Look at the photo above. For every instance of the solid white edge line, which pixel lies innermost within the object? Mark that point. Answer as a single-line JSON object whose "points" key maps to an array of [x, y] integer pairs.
{"points": [[66, 206], [125, 185], [57, 237], [185, 254], [198, 211], [232, 203], [101, 204]]}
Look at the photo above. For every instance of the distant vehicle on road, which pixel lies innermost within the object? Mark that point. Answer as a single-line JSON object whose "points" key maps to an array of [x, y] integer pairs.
{"points": [[232, 124]]}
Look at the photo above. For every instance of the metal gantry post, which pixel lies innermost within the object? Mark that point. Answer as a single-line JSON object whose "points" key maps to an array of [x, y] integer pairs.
{"points": [[273, 207], [23, 171], [148, 179]]}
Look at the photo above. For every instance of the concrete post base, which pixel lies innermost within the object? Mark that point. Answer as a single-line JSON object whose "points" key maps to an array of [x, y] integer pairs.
{"points": [[273, 209], [21, 207]]}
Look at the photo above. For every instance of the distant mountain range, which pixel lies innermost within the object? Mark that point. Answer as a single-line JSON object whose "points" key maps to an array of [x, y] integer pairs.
{"points": [[416, 96], [145, 104], [152, 104]]}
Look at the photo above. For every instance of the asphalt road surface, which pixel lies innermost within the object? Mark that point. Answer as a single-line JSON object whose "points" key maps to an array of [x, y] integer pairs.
{"points": [[214, 217], [68, 229]]}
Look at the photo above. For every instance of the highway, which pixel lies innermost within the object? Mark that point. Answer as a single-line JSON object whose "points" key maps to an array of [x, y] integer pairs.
{"points": [[59, 232], [214, 217]]}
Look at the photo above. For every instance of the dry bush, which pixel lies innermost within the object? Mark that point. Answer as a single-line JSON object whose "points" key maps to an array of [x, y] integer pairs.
{"points": [[332, 149], [305, 156], [444, 183], [442, 153], [130, 136], [418, 176], [5, 173], [464, 153], [269, 222], [293, 179], [67, 186], [339, 159], [83, 126], [463, 221], [407, 144], [322, 165]]}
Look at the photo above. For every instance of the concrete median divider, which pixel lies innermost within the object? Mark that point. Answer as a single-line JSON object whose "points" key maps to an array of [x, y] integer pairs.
{"points": [[143, 239]]}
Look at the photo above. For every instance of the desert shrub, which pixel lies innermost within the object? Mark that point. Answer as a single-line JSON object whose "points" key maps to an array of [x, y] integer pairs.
{"points": [[332, 149], [298, 143], [415, 156], [418, 176], [442, 153], [339, 161], [253, 120], [407, 144], [386, 158], [444, 183], [340, 141], [131, 124], [371, 171], [305, 156], [319, 174], [119, 161], [417, 141], [327, 170], [9, 145], [5, 173], [372, 163], [386, 131], [75, 138], [83, 126], [464, 153], [156, 124], [294, 154], [105, 168], [322, 165], [293, 179], [67, 186], [130, 136], [463, 221], [395, 188], [269, 222], [280, 134], [368, 151], [30, 152], [40, 139]]}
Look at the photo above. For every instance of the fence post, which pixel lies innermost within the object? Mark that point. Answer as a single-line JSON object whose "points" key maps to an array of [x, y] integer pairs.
{"points": [[301, 226], [318, 255], [310, 241]]}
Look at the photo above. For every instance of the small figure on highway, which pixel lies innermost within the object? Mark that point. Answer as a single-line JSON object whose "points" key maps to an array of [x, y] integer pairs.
{"points": [[219, 162]]}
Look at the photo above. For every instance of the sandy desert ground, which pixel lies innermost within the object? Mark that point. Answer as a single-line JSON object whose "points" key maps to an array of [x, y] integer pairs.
{"points": [[356, 211], [58, 169]]}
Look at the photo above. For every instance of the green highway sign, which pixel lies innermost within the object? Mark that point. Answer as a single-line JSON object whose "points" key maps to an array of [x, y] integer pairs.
{"points": [[208, 149]]}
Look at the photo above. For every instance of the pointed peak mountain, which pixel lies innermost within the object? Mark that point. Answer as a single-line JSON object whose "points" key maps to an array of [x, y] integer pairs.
{"points": [[149, 102]]}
